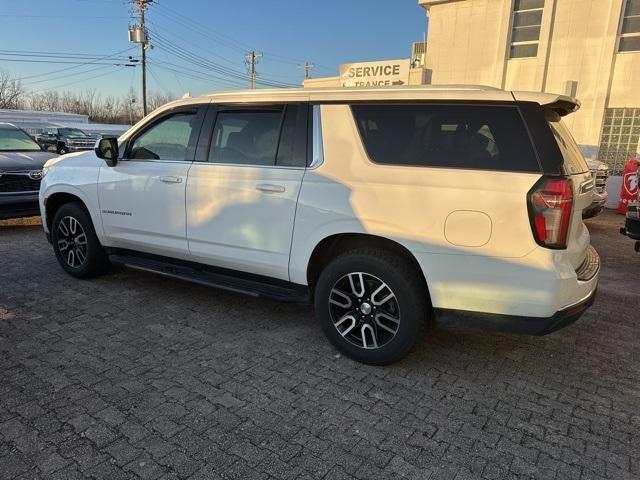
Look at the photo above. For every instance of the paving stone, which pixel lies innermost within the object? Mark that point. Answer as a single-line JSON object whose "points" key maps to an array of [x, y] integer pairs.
{"points": [[132, 375]]}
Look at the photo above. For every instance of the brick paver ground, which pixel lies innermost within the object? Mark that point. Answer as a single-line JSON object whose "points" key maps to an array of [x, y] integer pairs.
{"points": [[137, 376]]}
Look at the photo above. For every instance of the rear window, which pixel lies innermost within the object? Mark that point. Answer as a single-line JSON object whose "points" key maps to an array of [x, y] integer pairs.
{"points": [[452, 136], [574, 162]]}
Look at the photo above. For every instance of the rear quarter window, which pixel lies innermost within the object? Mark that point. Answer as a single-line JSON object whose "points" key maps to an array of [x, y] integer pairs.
{"points": [[481, 137], [573, 161]]}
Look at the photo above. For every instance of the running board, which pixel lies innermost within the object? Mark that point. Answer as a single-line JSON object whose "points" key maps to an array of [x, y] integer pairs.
{"points": [[224, 279]]}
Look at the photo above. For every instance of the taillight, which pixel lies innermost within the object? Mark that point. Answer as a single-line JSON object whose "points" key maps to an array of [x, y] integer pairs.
{"points": [[550, 207]]}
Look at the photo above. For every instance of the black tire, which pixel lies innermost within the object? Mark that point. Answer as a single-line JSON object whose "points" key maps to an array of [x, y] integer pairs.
{"points": [[63, 150], [94, 260], [410, 297]]}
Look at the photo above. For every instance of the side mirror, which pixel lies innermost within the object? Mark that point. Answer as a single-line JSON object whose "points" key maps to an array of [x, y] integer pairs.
{"points": [[107, 149]]}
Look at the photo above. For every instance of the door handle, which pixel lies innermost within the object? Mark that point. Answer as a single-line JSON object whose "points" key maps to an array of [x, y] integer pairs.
{"points": [[170, 179], [269, 188]]}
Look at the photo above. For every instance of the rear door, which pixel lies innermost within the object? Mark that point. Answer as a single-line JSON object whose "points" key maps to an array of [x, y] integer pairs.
{"points": [[242, 194]]}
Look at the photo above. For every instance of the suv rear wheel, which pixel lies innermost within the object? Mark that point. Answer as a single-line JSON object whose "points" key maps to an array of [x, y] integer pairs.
{"points": [[371, 305], [75, 243]]}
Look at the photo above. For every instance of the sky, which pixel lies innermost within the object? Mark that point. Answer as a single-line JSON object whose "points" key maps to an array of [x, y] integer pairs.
{"points": [[199, 45]]}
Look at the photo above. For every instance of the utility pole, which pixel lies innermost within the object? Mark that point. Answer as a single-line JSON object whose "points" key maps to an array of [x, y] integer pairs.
{"points": [[307, 68], [250, 60], [139, 34]]}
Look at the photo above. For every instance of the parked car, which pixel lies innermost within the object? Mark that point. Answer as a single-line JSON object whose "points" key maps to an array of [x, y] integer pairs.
{"points": [[632, 221], [600, 172], [64, 140], [388, 208], [21, 161]]}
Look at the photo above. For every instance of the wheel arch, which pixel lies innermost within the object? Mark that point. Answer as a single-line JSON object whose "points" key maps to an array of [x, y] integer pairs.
{"points": [[55, 201], [332, 246]]}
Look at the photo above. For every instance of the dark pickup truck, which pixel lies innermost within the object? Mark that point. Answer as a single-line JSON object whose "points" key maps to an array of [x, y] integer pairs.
{"points": [[64, 140]]}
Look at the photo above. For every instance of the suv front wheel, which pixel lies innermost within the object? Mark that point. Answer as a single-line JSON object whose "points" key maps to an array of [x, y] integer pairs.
{"points": [[371, 305], [75, 243]]}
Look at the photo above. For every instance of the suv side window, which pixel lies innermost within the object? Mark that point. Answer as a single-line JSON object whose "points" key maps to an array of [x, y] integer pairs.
{"points": [[246, 137], [292, 150], [481, 137], [574, 162], [167, 139], [264, 136]]}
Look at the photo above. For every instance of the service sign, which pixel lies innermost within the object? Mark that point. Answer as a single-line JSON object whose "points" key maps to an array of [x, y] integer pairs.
{"points": [[375, 74]]}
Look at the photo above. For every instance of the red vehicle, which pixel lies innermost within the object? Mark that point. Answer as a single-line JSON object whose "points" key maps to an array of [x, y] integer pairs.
{"points": [[632, 223]]}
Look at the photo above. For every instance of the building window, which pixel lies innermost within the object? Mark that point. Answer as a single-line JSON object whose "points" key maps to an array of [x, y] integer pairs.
{"points": [[630, 30], [620, 137], [525, 33]]}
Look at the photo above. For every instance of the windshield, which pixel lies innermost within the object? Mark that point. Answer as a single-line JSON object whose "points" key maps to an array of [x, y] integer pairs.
{"points": [[72, 132], [16, 141]]}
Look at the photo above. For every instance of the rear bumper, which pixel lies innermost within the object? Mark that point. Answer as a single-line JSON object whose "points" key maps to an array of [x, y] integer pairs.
{"points": [[513, 323], [16, 205], [541, 305]]}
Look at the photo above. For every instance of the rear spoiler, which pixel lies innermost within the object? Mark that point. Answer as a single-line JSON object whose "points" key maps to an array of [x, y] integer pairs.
{"points": [[561, 104]]}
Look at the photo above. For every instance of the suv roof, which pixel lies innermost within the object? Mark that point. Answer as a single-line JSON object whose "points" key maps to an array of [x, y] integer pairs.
{"points": [[562, 104]]}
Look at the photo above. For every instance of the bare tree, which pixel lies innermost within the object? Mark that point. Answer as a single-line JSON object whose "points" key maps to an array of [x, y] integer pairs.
{"points": [[48, 101], [131, 108], [89, 101], [111, 109], [156, 100], [12, 94]]}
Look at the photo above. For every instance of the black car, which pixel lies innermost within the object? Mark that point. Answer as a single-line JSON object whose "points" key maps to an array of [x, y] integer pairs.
{"points": [[64, 140], [632, 224], [21, 162]]}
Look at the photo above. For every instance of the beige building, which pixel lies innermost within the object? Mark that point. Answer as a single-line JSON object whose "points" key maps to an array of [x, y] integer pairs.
{"points": [[588, 48]]}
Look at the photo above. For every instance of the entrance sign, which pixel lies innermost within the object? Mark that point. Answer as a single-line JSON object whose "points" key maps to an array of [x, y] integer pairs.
{"points": [[375, 74]]}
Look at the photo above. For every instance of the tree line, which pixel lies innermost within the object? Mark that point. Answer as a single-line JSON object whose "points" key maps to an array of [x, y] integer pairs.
{"points": [[125, 109]]}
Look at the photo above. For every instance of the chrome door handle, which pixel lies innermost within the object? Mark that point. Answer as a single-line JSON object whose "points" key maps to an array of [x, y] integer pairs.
{"points": [[269, 188], [170, 179]]}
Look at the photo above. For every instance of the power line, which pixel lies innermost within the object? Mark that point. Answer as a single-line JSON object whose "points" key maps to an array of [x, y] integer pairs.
{"points": [[226, 40], [77, 56], [205, 30], [65, 69], [180, 69], [192, 74], [158, 82], [181, 88], [197, 46], [17, 15], [59, 62], [74, 74], [80, 81], [194, 59]]}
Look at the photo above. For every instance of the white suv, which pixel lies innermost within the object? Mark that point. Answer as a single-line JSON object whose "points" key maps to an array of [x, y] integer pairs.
{"points": [[388, 208]]}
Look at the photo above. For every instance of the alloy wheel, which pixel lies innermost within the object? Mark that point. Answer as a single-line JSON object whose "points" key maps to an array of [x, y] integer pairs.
{"points": [[72, 242], [364, 310]]}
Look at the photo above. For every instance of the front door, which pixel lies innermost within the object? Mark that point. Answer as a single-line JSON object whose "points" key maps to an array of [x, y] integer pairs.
{"points": [[241, 201], [142, 198]]}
